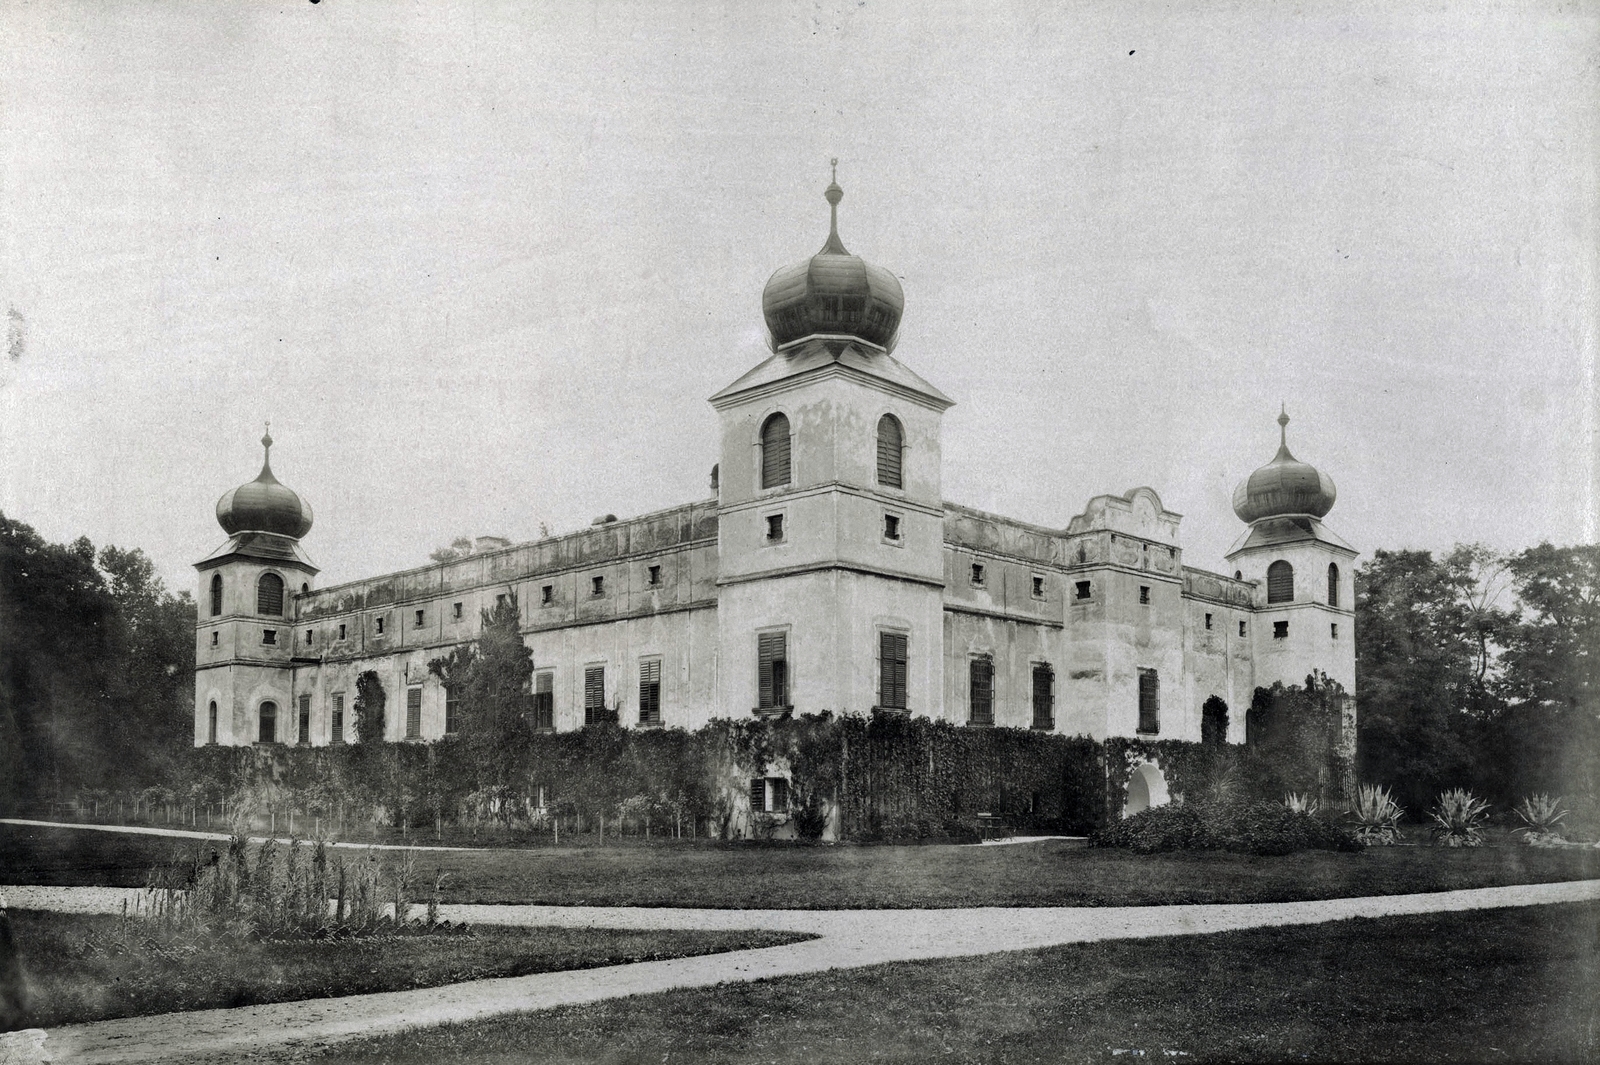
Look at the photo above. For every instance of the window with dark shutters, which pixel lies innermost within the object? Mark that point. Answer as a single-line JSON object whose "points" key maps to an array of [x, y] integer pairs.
{"points": [[981, 671], [772, 669], [544, 700], [216, 594], [336, 728], [892, 670], [650, 692], [1044, 696], [775, 451], [269, 723], [1149, 702], [305, 719], [269, 594], [1280, 582], [758, 794], [452, 708], [891, 439], [413, 713], [1333, 584], [594, 694], [780, 794]]}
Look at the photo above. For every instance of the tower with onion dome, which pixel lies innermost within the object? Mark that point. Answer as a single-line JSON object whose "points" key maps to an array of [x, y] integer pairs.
{"points": [[1302, 571], [245, 642], [830, 512]]}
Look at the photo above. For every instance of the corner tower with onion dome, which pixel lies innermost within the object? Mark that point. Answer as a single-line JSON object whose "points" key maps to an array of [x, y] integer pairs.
{"points": [[1302, 571], [244, 637], [830, 514]]}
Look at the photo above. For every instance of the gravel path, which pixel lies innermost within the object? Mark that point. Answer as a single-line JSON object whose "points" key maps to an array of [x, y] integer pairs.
{"points": [[848, 939]]}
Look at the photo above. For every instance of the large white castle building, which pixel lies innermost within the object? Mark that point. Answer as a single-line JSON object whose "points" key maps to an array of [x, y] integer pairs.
{"points": [[827, 572]]}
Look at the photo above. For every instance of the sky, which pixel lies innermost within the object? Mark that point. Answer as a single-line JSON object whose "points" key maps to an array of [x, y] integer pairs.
{"points": [[481, 264]]}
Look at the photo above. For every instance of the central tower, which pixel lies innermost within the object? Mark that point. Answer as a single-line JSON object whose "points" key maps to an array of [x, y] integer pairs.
{"points": [[831, 517]]}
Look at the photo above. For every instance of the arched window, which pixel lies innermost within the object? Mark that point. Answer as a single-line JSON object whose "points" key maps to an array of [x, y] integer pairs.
{"points": [[891, 438], [1280, 582], [269, 723], [1333, 584], [775, 451], [211, 727], [216, 594], [269, 594]]}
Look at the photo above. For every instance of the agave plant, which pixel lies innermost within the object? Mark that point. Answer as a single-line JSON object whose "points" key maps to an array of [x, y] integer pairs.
{"points": [[1375, 817], [1458, 819], [1294, 802], [1542, 814]]}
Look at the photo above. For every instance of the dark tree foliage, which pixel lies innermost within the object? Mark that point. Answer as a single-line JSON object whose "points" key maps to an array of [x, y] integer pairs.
{"points": [[491, 680], [369, 708]]}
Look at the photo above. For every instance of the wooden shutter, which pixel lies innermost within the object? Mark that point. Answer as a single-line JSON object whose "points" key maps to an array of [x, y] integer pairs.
{"points": [[890, 442], [269, 594], [982, 675], [413, 713], [650, 691], [452, 707], [775, 452], [1149, 701], [544, 700], [337, 731], [780, 794], [892, 670], [305, 719], [772, 668], [1280, 582], [758, 794], [594, 693], [1044, 696]]}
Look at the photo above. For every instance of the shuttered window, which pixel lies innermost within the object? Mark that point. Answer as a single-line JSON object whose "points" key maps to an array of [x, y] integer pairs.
{"points": [[775, 452], [772, 669], [650, 692], [1280, 582], [758, 794], [544, 700], [269, 723], [981, 671], [216, 594], [594, 694], [1333, 585], [413, 713], [779, 790], [1149, 701], [891, 440], [305, 719], [452, 708], [1044, 696], [892, 670], [269, 594], [336, 729]]}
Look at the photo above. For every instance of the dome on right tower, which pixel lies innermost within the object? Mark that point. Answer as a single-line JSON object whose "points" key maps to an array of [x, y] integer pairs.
{"points": [[1285, 486]]}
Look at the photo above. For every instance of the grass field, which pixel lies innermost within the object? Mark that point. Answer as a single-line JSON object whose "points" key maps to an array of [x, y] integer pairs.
{"points": [[81, 969], [846, 876], [1497, 985]]}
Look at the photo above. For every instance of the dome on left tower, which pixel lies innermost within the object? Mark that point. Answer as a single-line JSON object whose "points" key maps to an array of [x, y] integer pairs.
{"points": [[264, 505]]}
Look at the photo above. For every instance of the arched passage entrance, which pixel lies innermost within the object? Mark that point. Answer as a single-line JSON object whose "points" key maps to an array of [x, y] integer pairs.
{"points": [[1147, 787]]}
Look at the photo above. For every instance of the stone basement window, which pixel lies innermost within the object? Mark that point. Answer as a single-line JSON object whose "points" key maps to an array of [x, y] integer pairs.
{"points": [[1038, 587], [309, 637], [654, 576], [378, 623], [1241, 628], [417, 623], [1333, 630], [456, 611], [547, 594], [1280, 630], [1208, 621], [341, 632], [215, 638]]}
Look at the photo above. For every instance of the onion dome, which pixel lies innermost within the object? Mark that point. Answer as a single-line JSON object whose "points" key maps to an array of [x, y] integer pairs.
{"points": [[1284, 486], [264, 505], [833, 292]]}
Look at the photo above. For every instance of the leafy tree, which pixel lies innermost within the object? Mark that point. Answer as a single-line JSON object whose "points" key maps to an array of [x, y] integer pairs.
{"points": [[369, 708], [491, 681]]}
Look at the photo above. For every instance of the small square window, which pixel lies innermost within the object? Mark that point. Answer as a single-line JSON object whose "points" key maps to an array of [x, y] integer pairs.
{"points": [[1208, 621], [341, 632], [269, 636], [455, 611], [1038, 587], [1241, 628], [1082, 589], [977, 574], [597, 585], [654, 575], [216, 638], [418, 622], [547, 594], [309, 637], [1333, 630], [774, 527], [500, 600], [1280, 630], [379, 625], [1144, 593], [891, 527]]}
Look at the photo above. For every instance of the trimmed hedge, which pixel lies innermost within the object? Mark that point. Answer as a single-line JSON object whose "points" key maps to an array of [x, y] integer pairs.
{"points": [[1257, 827]]}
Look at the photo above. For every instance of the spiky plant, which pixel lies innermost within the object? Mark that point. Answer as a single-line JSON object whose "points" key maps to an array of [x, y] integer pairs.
{"points": [[1542, 814], [1375, 816], [1294, 802], [1458, 819]]}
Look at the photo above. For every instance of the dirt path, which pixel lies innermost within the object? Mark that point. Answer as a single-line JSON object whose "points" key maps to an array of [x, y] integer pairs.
{"points": [[848, 939]]}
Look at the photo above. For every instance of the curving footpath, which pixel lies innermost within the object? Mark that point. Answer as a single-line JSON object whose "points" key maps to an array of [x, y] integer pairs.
{"points": [[846, 939]]}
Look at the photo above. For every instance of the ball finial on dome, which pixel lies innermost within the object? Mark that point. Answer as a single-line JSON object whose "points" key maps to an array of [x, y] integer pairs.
{"points": [[1285, 486]]}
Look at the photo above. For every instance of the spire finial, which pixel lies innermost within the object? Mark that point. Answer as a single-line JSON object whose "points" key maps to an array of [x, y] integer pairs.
{"points": [[1283, 430], [834, 194], [266, 444]]}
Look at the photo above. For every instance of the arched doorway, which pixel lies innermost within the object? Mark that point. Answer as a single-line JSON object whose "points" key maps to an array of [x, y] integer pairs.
{"points": [[1147, 787]]}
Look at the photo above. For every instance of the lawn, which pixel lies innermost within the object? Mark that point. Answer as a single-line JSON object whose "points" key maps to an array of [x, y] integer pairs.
{"points": [[90, 968], [725, 875], [1497, 985]]}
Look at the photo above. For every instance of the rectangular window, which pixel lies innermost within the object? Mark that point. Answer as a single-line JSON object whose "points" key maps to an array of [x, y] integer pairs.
{"points": [[341, 632], [891, 527], [597, 585], [1208, 621], [547, 594], [455, 611], [544, 700], [336, 725], [1082, 589], [269, 636], [216, 638], [654, 575], [977, 574], [1149, 702], [417, 623], [892, 659], [1280, 630], [772, 670], [305, 720], [378, 625], [774, 527], [594, 694], [452, 708], [500, 600], [1333, 630], [981, 672], [413, 713], [309, 636], [1241, 628], [758, 795], [769, 795], [1038, 587], [650, 692], [1044, 696], [1144, 593]]}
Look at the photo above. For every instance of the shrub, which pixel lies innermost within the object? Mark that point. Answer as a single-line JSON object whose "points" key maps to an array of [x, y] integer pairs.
{"points": [[1458, 819], [1543, 816], [1375, 817], [1244, 827]]}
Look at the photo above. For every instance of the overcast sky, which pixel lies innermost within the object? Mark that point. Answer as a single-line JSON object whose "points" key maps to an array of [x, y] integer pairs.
{"points": [[481, 264]]}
